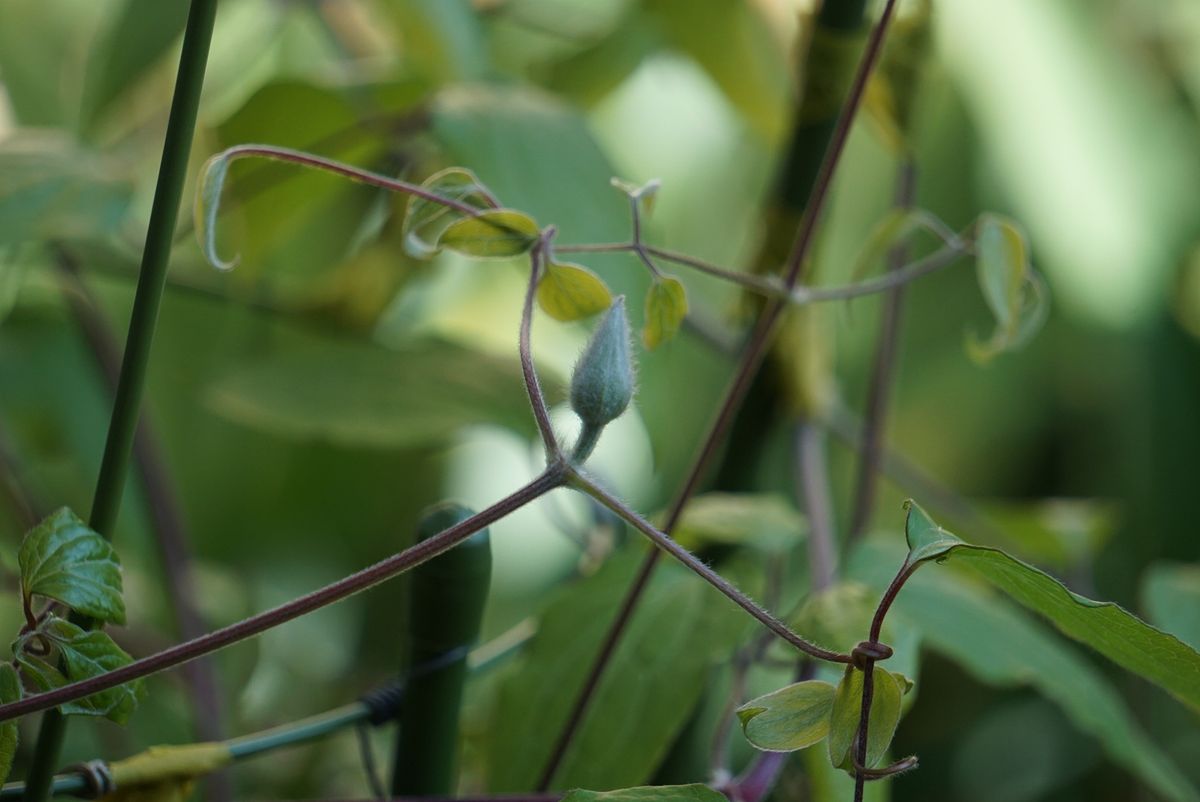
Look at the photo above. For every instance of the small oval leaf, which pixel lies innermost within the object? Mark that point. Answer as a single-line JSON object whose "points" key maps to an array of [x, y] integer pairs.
{"points": [[889, 690], [790, 718], [571, 292], [496, 234], [425, 220], [666, 307]]}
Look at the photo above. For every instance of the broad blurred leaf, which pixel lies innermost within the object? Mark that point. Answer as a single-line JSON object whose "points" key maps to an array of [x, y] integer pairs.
{"points": [[537, 154], [889, 690], [84, 654], [1016, 295], [999, 644], [136, 37], [10, 691], [366, 396], [790, 718], [763, 520], [838, 617], [442, 40], [62, 559], [569, 291], [733, 42], [1058, 533], [425, 220], [645, 696], [495, 234], [1106, 627], [1171, 595], [52, 189], [666, 307], [652, 793]]}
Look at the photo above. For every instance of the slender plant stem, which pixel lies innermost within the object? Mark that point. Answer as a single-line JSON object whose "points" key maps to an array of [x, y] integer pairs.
{"points": [[335, 591], [812, 480], [533, 388], [752, 356], [358, 174], [666, 543], [165, 515], [882, 372], [868, 669], [156, 254]]}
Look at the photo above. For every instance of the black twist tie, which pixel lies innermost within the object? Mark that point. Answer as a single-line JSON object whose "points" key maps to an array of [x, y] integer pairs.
{"points": [[870, 651], [97, 777], [383, 703]]}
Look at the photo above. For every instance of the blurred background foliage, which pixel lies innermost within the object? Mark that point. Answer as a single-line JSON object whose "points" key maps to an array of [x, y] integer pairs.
{"points": [[311, 402]]}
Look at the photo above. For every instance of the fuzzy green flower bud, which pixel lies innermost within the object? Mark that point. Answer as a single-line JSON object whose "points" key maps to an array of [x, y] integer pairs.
{"points": [[602, 384]]}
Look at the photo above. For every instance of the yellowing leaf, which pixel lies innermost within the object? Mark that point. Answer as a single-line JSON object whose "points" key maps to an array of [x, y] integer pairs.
{"points": [[666, 307], [790, 718], [570, 292], [497, 234]]}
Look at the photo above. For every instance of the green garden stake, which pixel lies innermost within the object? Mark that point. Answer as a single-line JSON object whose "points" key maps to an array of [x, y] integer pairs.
{"points": [[444, 613]]}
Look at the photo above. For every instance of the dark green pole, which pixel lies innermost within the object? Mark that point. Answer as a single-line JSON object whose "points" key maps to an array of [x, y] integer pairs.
{"points": [[444, 613], [164, 211]]}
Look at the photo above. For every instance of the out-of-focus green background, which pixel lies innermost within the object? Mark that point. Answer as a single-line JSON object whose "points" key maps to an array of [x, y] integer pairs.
{"points": [[310, 403]]}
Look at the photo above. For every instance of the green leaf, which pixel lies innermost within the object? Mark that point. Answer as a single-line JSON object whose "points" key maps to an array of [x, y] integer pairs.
{"points": [[1106, 627], [666, 307], [1015, 294], [1001, 645], [764, 520], [135, 38], [83, 654], [651, 793], [569, 291], [361, 395], [425, 221], [646, 681], [790, 718], [496, 234], [537, 153], [838, 617], [10, 691], [53, 189], [889, 690], [1171, 597], [62, 559]]}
